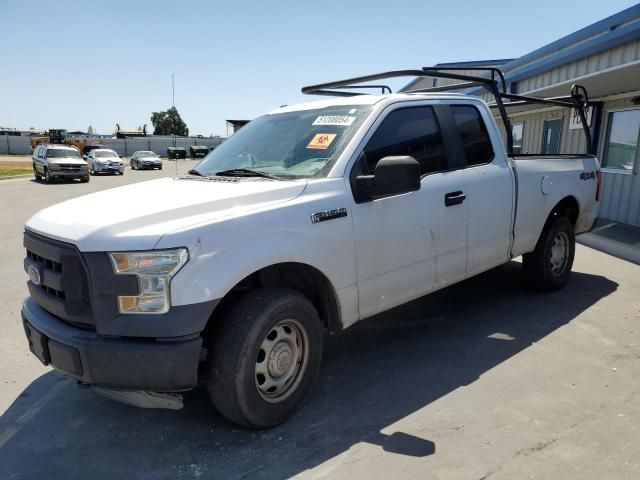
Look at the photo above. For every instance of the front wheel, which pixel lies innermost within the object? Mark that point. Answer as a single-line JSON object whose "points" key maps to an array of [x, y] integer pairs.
{"points": [[47, 176], [264, 357], [549, 265]]}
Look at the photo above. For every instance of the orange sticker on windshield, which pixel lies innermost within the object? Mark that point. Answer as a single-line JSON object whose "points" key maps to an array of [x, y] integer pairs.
{"points": [[321, 141]]}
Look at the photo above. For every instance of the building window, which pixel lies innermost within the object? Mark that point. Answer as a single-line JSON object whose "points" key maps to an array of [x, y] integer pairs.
{"points": [[621, 147], [517, 130]]}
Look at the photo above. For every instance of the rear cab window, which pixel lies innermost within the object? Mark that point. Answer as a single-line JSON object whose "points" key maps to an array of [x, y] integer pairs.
{"points": [[474, 136]]}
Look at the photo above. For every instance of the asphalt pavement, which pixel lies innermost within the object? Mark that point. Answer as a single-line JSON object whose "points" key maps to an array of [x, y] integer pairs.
{"points": [[483, 380]]}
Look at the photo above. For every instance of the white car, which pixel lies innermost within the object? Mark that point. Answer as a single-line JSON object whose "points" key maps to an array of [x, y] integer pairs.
{"points": [[144, 159], [104, 160], [52, 162], [312, 217]]}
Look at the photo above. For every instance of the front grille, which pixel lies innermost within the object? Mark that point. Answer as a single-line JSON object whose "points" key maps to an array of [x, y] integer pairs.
{"points": [[60, 285], [49, 265], [70, 167]]}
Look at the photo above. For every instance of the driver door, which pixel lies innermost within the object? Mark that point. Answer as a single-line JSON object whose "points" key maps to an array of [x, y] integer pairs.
{"points": [[410, 244]]}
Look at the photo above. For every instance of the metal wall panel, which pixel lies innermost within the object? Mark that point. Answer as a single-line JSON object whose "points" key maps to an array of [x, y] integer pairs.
{"points": [[123, 146], [595, 63]]}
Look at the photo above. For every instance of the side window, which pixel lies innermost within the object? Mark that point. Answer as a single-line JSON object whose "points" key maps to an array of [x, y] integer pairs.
{"points": [[40, 152], [408, 131], [473, 133]]}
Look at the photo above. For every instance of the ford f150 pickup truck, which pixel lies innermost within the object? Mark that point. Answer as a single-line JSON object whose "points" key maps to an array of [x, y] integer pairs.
{"points": [[310, 218]]}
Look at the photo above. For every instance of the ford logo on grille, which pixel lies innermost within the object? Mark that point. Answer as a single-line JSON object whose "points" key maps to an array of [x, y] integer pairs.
{"points": [[34, 274]]}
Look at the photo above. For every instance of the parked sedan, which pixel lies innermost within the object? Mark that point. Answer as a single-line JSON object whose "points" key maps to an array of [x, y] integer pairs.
{"points": [[145, 159], [104, 160]]}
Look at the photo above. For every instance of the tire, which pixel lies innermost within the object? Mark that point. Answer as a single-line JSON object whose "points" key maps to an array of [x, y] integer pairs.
{"points": [[85, 179], [247, 339], [548, 267], [35, 173], [47, 176]]}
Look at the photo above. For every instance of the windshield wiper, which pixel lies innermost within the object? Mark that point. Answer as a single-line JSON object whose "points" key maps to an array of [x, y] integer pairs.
{"points": [[195, 172], [246, 172]]}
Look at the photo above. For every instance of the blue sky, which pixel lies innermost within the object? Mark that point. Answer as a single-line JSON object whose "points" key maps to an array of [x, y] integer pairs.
{"points": [[71, 64]]}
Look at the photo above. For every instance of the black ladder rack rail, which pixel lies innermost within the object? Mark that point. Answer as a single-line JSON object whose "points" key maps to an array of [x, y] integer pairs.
{"points": [[492, 79]]}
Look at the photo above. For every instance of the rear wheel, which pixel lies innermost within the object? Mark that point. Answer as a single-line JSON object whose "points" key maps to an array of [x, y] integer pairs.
{"points": [[35, 173], [264, 357], [548, 267]]}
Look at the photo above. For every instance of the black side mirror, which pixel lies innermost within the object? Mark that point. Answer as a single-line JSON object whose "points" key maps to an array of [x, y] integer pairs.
{"points": [[392, 176]]}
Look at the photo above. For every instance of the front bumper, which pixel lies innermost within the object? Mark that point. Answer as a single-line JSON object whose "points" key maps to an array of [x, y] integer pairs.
{"points": [[163, 365], [108, 168], [150, 164], [69, 173]]}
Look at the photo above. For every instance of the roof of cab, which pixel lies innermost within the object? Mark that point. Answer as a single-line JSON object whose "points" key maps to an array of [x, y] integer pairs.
{"points": [[368, 100]]}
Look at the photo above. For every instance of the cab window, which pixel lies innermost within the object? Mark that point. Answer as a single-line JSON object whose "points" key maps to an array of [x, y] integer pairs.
{"points": [[408, 131], [473, 134]]}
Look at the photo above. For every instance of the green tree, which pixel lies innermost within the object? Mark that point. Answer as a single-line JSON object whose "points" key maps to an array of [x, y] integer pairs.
{"points": [[169, 123]]}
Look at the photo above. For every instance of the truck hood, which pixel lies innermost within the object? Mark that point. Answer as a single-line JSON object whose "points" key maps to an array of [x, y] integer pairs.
{"points": [[135, 217], [67, 161]]}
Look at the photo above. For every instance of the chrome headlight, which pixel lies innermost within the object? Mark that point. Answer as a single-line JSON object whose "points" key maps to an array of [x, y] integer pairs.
{"points": [[154, 270]]}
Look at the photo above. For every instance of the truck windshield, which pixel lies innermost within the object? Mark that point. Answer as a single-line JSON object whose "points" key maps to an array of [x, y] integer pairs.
{"points": [[105, 154], [62, 153], [300, 144]]}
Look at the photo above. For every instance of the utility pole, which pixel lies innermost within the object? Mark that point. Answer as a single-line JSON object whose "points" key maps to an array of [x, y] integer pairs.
{"points": [[173, 92]]}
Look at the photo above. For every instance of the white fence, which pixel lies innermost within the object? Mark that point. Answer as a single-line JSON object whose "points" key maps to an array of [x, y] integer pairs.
{"points": [[14, 145]]}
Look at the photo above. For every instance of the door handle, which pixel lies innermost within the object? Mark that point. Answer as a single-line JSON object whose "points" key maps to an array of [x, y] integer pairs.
{"points": [[454, 198]]}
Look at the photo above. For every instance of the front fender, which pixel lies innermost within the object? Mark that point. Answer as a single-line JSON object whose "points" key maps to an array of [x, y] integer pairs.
{"points": [[210, 275]]}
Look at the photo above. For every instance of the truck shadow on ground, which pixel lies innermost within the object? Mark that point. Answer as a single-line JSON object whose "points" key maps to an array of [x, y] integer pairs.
{"points": [[374, 374]]}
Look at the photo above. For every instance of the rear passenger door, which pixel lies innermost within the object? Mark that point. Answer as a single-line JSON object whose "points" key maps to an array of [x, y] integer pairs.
{"points": [[410, 244], [489, 188]]}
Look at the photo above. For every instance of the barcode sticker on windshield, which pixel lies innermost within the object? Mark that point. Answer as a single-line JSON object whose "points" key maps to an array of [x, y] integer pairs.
{"points": [[339, 120]]}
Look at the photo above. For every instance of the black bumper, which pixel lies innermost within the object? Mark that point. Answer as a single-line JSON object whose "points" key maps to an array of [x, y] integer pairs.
{"points": [[122, 363]]}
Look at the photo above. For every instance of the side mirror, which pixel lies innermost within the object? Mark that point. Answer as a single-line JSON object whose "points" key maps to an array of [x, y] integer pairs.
{"points": [[392, 176]]}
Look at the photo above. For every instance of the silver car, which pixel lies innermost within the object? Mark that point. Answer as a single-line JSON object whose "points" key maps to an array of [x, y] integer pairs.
{"points": [[145, 159], [104, 160], [52, 162]]}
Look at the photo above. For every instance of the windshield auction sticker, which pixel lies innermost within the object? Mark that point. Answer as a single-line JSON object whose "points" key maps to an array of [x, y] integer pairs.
{"points": [[338, 120], [321, 141]]}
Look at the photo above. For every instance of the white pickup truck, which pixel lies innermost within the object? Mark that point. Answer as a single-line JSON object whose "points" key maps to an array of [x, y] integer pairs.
{"points": [[310, 218]]}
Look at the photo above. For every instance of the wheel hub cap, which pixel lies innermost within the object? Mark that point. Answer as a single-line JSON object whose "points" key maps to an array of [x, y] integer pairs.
{"points": [[281, 361], [559, 253]]}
